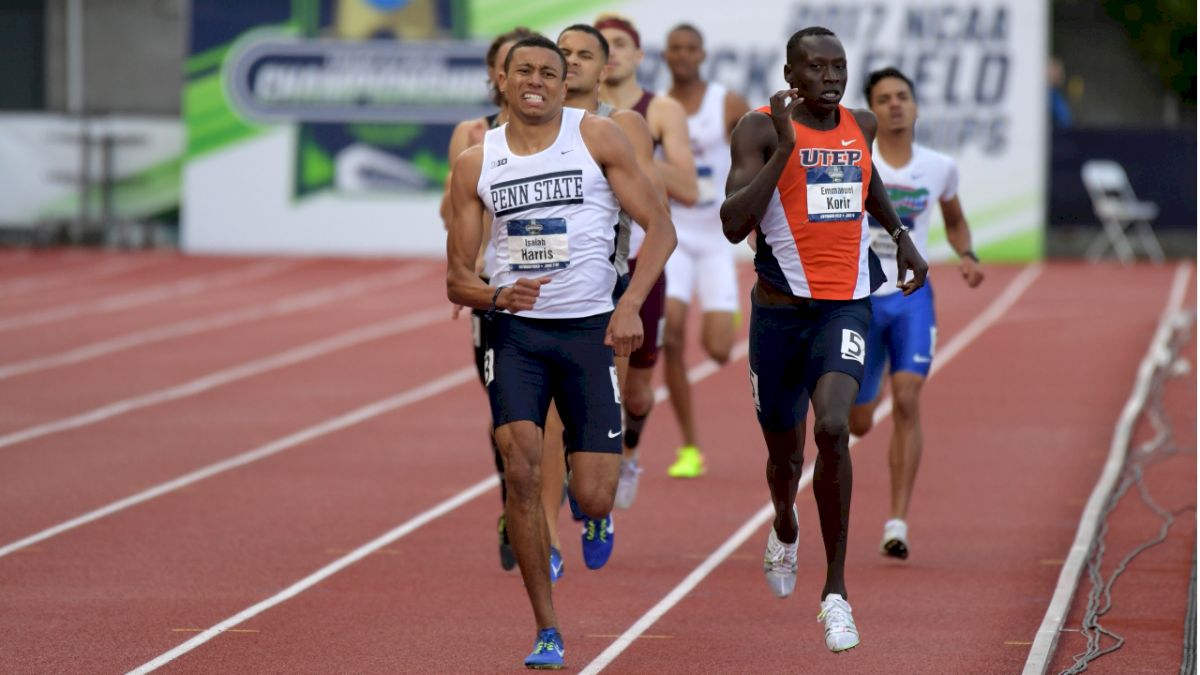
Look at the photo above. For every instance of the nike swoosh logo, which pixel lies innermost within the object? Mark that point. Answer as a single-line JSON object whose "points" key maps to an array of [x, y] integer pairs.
{"points": [[614, 434], [559, 650], [566, 151], [921, 359], [556, 569], [849, 142]]}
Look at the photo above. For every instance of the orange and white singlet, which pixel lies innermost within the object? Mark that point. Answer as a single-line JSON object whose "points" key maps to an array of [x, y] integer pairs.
{"points": [[813, 241]]}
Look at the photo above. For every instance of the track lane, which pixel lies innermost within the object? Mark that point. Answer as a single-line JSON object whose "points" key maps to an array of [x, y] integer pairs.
{"points": [[465, 567], [37, 403]]}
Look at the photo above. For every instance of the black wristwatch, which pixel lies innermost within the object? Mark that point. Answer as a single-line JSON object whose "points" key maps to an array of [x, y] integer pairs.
{"points": [[969, 254], [895, 234]]}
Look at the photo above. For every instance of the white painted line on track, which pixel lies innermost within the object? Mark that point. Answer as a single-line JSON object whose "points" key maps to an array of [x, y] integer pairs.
{"points": [[240, 372], [281, 307], [168, 291], [1046, 639], [107, 268], [325, 572], [429, 389], [1013, 292], [695, 374]]}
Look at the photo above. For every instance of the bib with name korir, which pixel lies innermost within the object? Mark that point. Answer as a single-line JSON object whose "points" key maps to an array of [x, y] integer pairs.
{"points": [[835, 193], [538, 244]]}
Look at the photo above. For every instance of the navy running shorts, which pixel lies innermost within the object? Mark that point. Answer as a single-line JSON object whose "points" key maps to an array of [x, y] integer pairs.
{"points": [[528, 362], [792, 346], [654, 319]]}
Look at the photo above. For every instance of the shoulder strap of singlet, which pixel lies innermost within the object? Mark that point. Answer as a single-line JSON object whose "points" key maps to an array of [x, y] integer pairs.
{"points": [[643, 104]]}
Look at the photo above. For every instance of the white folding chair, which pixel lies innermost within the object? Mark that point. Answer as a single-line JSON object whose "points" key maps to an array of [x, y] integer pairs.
{"points": [[1119, 211]]}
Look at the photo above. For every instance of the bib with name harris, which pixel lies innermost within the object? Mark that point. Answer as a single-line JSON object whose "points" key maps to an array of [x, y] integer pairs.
{"points": [[554, 215]]}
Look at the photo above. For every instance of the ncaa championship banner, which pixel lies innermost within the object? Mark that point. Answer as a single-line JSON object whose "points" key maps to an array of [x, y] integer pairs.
{"points": [[321, 126]]}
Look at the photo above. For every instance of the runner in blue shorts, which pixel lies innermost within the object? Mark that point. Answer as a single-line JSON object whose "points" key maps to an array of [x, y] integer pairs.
{"points": [[903, 335], [553, 179]]}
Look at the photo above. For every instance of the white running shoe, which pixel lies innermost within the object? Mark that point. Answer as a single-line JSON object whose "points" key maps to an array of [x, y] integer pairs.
{"points": [[779, 562], [627, 484], [895, 539], [840, 632]]}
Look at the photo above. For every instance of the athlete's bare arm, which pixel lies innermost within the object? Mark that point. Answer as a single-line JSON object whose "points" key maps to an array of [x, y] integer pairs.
{"points": [[613, 152], [735, 107], [668, 118], [638, 132], [463, 285], [958, 233], [878, 205], [760, 149], [466, 134]]}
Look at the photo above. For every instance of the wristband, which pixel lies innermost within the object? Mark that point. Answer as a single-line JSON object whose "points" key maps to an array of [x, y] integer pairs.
{"points": [[493, 308], [897, 232], [969, 254]]}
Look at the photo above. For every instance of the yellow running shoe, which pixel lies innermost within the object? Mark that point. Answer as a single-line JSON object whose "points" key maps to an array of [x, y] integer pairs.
{"points": [[689, 463]]}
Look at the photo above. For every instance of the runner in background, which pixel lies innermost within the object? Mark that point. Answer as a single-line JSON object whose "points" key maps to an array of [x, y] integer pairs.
{"points": [[904, 329], [668, 126], [703, 264]]}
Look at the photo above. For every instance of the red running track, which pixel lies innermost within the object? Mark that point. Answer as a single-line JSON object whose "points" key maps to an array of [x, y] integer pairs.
{"points": [[1017, 427]]}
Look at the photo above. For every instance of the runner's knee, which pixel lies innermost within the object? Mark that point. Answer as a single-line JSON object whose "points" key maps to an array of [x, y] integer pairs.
{"points": [[718, 348], [861, 420], [522, 469], [594, 500], [830, 428], [673, 340], [638, 394], [906, 400]]}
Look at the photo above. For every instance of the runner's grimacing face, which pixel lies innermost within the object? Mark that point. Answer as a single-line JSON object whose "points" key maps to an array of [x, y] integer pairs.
{"points": [[893, 104], [585, 61], [623, 55], [684, 55], [817, 67], [534, 83]]}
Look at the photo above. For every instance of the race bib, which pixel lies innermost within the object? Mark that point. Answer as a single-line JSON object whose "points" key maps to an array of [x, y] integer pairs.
{"points": [[707, 186], [881, 241], [834, 193], [538, 245]]}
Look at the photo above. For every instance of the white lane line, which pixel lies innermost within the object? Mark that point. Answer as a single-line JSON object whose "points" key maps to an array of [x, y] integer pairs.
{"points": [[1013, 292], [1046, 638], [106, 269], [429, 389], [177, 289], [239, 372], [324, 573], [281, 307], [695, 374]]}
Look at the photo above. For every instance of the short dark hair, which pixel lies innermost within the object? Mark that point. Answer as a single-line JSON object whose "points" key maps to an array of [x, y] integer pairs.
{"points": [[514, 35], [539, 41], [811, 31], [590, 30], [882, 74], [690, 28]]}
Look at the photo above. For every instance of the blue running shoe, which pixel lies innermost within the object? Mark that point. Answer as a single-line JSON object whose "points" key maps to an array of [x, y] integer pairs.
{"points": [[597, 541], [547, 652], [576, 512], [556, 565]]}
